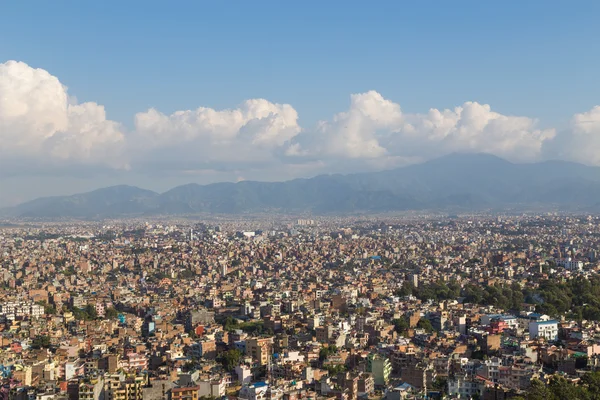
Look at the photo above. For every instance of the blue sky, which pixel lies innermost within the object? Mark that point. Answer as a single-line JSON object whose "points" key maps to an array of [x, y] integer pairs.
{"points": [[537, 59]]}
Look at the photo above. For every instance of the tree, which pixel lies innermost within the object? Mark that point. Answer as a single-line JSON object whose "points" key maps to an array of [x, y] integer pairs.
{"points": [[230, 324], [559, 388], [401, 325], [325, 352], [563, 389], [539, 391], [111, 313], [440, 384], [591, 380], [187, 274], [41, 342], [406, 290], [49, 309], [91, 312], [231, 359], [335, 369], [425, 324]]}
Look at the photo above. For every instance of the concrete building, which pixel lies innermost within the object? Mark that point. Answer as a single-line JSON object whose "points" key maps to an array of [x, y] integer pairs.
{"points": [[259, 349], [544, 329], [380, 367], [185, 393]]}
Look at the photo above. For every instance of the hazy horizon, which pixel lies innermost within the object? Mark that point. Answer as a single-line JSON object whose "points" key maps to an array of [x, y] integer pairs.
{"points": [[96, 95]]}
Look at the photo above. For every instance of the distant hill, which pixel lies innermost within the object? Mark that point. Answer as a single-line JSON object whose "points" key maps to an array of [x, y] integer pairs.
{"points": [[112, 201], [454, 182]]}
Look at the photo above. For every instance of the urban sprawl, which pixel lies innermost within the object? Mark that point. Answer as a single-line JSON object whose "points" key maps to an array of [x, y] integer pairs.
{"points": [[412, 307]]}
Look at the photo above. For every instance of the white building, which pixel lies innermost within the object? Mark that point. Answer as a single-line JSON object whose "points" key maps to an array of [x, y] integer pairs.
{"points": [[212, 388], [464, 388], [544, 329], [244, 374], [491, 369], [36, 311], [570, 264], [19, 309], [257, 391], [525, 318]]}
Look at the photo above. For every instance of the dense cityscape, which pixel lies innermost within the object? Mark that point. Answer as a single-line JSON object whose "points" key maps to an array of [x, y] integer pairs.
{"points": [[414, 307], [299, 200]]}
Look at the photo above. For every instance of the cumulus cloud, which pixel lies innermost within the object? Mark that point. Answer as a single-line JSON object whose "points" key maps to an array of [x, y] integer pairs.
{"points": [[39, 121], [192, 138], [376, 128], [354, 133], [43, 126], [580, 141]]}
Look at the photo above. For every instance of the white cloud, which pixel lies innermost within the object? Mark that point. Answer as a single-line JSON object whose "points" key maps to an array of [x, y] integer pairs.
{"points": [[38, 120], [375, 128], [354, 133], [257, 121], [580, 141], [472, 127], [250, 133], [43, 126]]}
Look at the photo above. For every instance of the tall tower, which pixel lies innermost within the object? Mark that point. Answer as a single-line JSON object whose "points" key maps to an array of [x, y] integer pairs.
{"points": [[414, 279]]}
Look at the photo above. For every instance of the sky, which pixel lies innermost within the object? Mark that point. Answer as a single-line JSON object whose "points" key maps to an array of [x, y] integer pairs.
{"points": [[157, 94]]}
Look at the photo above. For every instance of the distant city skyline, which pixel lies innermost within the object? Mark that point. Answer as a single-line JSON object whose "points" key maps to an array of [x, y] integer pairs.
{"points": [[154, 95]]}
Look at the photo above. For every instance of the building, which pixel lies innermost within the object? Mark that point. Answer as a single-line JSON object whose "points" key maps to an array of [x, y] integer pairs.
{"points": [[380, 367], [257, 391], [199, 317], [420, 375], [121, 387], [185, 393], [91, 390], [79, 301], [244, 374], [20, 309], [464, 388], [414, 280], [208, 349], [211, 388], [366, 384], [544, 329], [570, 264], [324, 333], [259, 349]]}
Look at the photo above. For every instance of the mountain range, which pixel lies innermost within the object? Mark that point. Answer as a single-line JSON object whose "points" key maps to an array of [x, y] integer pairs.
{"points": [[454, 182]]}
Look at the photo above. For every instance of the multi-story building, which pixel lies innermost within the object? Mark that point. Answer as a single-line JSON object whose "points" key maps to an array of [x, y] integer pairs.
{"points": [[185, 393], [366, 384], [78, 301], [91, 389], [121, 387], [20, 309], [463, 387], [324, 333], [36, 311], [259, 349], [212, 388], [544, 329], [517, 377], [380, 367], [199, 317]]}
